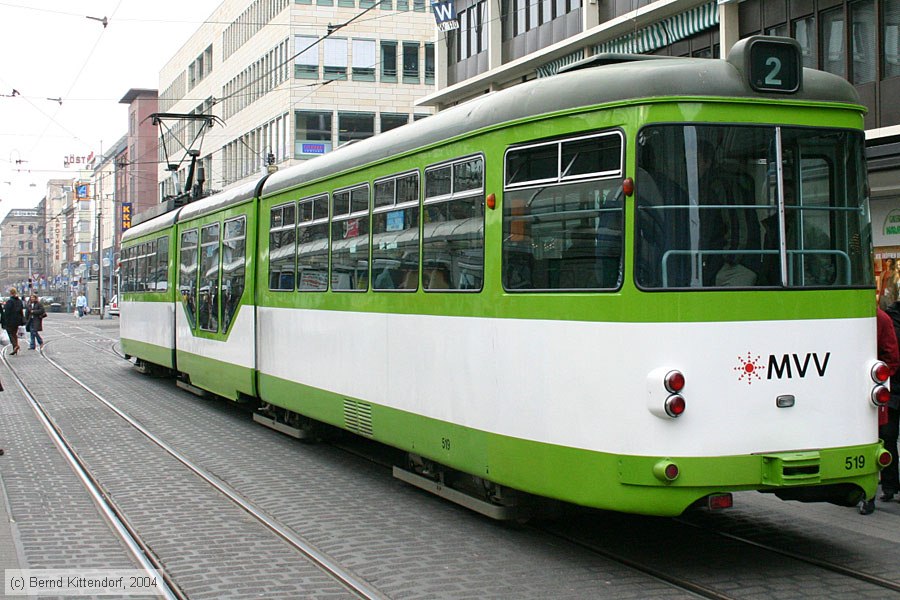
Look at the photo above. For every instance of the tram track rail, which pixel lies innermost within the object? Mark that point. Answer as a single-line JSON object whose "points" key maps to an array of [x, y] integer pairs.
{"points": [[709, 591], [817, 562], [354, 584], [680, 583], [142, 554]]}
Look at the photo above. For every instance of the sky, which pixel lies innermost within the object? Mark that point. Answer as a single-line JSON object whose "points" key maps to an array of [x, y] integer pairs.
{"points": [[69, 73]]}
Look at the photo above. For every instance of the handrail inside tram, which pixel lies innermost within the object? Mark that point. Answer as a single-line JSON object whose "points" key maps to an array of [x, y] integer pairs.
{"points": [[675, 252]]}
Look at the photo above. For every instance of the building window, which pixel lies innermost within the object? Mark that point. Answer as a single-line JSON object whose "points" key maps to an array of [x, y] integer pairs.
{"points": [[891, 36], [354, 126], [402, 4], [393, 120], [429, 63], [520, 24], [805, 34], [312, 133], [389, 62], [833, 41], [306, 65], [364, 60], [335, 59], [419, 5], [410, 62], [862, 15]]}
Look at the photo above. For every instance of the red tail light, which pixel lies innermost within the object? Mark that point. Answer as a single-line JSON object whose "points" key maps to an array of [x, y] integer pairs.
{"points": [[880, 395], [666, 471], [674, 381], [719, 501], [675, 405], [880, 372], [884, 458]]}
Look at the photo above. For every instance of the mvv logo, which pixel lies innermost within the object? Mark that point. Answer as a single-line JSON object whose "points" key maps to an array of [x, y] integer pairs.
{"points": [[789, 366]]}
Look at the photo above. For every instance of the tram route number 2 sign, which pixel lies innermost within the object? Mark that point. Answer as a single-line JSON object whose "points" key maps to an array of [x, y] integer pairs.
{"points": [[774, 66]]}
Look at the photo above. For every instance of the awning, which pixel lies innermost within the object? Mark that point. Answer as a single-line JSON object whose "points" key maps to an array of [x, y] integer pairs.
{"points": [[555, 65], [667, 31]]}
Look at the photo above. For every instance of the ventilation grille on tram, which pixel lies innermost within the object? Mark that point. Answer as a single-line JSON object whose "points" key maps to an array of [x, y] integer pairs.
{"points": [[358, 417]]}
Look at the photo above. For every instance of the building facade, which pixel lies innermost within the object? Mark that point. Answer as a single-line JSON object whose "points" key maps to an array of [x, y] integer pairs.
{"points": [[135, 159], [22, 249], [500, 43], [281, 81]]}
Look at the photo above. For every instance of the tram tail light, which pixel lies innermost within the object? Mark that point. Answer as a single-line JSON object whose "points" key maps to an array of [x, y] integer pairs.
{"points": [[880, 395], [674, 381], [884, 458], [675, 405], [666, 470], [664, 397], [880, 372], [719, 501]]}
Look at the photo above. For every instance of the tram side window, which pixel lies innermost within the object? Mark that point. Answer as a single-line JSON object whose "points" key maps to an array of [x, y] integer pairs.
{"points": [[395, 233], [563, 215], [233, 268], [453, 226], [312, 244], [350, 239], [187, 274], [129, 270], [151, 265], [708, 199], [141, 268], [162, 264], [123, 271], [282, 247], [208, 299]]}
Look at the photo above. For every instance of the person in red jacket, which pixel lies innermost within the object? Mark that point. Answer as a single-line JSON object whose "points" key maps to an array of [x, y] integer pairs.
{"points": [[888, 328]]}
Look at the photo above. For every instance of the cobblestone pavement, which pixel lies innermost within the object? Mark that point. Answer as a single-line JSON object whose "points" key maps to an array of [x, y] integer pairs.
{"points": [[406, 543]]}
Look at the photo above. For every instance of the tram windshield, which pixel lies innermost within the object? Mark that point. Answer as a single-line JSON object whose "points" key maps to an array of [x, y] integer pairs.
{"points": [[750, 206]]}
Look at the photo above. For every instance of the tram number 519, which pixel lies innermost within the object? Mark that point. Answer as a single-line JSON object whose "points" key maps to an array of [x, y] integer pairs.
{"points": [[854, 462], [445, 443]]}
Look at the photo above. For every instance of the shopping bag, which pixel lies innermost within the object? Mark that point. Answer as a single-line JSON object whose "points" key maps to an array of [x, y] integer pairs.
{"points": [[4, 337], [21, 332]]}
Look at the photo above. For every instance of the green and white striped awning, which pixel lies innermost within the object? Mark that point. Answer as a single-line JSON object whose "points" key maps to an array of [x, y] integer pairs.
{"points": [[555, 65], [667, 31]]}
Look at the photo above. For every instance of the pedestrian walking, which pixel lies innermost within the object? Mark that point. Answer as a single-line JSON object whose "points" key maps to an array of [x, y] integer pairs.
{"points": [[13, 317], [81, 304], [35, 313], [889, 423]]}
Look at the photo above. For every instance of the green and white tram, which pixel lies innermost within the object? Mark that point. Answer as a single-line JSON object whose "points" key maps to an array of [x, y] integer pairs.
{"points": [[640, 284]]}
